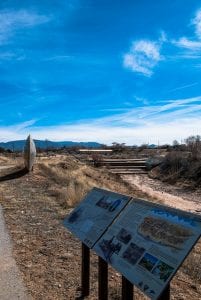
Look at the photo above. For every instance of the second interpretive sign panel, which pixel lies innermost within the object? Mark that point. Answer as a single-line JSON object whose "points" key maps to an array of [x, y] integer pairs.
{"points": [[148, 242]]}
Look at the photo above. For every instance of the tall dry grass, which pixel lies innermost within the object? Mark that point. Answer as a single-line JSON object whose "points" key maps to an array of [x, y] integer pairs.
{"points": [[71, 180]]}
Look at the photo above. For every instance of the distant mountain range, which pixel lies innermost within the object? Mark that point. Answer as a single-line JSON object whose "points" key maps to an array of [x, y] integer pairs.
{"points": [[44, 144]]}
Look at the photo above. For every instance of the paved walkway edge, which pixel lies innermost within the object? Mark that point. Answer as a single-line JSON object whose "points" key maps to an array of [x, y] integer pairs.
{"points": [[11, 284]]}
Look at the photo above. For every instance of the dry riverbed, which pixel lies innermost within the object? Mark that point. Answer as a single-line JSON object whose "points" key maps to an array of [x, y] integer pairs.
{"points": [[165, 193]]}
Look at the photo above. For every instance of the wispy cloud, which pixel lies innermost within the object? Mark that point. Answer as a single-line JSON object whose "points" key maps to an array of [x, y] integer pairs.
{"points": [[148, 113], [141, 100], [25, 125], [59, 58], [142, 57], [184, 87], [197, 23], [184, 42], [175, 119], [16, 132], [192, 44], [104, 133], [7, 56], [12, 20]]}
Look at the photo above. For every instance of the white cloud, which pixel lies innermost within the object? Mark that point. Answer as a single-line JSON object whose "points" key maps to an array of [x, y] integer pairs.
{"points": [[12, 20], [142, 57], [197, 23], [166, 133], [24, 125], [15, 132], [188, 44], [157, 114], [176, 119], [163, 37], [193, 44]]}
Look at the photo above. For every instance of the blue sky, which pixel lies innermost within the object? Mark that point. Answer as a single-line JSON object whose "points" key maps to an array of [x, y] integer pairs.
{"points": [[86, 70]]}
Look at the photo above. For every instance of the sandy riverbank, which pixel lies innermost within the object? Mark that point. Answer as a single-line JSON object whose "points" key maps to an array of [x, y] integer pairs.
{"points": [[166, 193]]}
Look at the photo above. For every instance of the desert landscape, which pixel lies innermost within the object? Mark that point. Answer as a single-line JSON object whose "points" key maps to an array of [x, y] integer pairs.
{"points": [[100, 95], [47, 254]]}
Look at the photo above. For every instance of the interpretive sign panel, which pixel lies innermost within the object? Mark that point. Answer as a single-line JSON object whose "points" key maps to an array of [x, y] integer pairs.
{"points": [[148, 242], [89, 220]]}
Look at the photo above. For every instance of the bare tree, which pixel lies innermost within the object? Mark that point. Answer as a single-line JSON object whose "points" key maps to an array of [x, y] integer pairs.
{"points": [[193, 144]]}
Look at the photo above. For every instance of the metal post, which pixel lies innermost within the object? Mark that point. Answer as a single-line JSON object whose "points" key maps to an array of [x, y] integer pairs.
{"points": [[127, 289], [165, 294], [102, 279], [85, 275]]}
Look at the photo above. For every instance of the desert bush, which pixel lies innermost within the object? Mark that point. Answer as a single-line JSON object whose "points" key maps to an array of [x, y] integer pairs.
{"points": [[56, 174], [96, 159], [193, 144], [153, 162], [70, 180], [68, 196], [68, 185], [180, 166], [174, 164], [194, 172], [118, 147]]}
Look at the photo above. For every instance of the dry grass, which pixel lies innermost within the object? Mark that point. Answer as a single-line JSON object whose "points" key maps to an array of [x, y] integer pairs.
{"points": [[71, 180], [192, 264], [10, 160], [3, 159]]}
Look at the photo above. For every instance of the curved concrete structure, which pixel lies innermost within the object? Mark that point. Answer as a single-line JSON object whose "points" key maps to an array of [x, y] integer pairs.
{"points": [[29, 153]]}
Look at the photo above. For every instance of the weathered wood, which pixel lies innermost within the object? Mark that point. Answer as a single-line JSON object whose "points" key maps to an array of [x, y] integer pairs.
{"points": [[29, 153]]}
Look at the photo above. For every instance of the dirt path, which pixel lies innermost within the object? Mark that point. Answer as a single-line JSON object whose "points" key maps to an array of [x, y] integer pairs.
{"points": [[166, 194], [11, 285]]}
